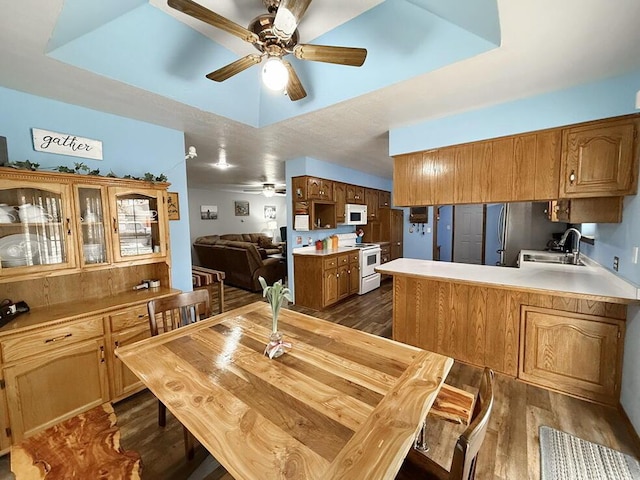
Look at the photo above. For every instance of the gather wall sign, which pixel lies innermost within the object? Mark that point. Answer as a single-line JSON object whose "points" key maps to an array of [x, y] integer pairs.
{"points": [[66, 144]]}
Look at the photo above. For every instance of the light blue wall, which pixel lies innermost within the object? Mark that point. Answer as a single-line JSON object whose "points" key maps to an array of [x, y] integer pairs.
{"points": [[419, 243], [129, 147], [329, 171], [445, 233], [606, 98]]}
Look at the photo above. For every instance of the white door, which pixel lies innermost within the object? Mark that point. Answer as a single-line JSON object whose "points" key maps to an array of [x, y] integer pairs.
{"points": [[468, 233]]}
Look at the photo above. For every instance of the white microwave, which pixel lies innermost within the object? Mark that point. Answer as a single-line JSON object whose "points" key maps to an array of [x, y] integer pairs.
{"points": [[355, 214]]}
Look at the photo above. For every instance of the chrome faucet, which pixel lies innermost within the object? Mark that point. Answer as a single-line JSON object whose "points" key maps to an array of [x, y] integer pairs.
{"points": [[576, 249]]}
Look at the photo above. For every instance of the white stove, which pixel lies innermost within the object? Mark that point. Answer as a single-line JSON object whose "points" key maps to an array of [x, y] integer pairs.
{"points": [[369, 256]]}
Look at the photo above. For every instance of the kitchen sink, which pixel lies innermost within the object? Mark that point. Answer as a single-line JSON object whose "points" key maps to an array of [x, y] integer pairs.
{"points": [[550, 257]]}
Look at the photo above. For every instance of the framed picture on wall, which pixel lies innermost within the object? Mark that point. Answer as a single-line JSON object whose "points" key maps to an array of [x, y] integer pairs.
{"points": [[242, 208], [270, 212], [208, 212], [173, 206]]}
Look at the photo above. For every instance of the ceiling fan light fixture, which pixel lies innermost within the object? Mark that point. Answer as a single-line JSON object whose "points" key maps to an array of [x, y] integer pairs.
{"points": [[269, 190], [222, 164], [274, 74]]}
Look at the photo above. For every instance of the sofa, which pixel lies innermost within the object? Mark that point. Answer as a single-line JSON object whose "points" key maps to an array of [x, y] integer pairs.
{"points": [[242, 261]]}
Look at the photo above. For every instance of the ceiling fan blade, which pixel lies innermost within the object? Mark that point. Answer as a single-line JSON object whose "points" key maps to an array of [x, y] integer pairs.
{"points": [[295, 90], [288, 17], [234, 68], [196, 10], [341, 55]]}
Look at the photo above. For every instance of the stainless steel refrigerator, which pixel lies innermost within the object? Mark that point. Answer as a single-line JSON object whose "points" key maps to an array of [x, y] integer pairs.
{"points": [[523, 226]]}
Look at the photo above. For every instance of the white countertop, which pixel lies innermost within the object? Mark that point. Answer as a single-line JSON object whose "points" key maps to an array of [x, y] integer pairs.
{"points": [[312, 251], [592, 279]]}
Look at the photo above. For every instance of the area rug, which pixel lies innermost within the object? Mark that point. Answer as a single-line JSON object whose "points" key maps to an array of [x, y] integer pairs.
{"points": [[565, 457]]}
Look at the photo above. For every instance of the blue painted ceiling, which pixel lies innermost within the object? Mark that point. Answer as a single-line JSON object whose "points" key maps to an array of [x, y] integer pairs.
{"points": [[133, 42]]}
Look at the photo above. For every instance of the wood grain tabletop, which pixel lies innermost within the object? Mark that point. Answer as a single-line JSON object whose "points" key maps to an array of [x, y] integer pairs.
{"points": [[339, 404]]}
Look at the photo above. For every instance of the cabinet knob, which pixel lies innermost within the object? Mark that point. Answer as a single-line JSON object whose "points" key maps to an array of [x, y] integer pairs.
{"points": [[337, 275], [572, 177]]}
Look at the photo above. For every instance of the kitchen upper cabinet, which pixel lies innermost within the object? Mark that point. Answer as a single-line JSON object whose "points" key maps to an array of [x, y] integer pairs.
{"points": [[319, 189], [371, 199], [355, 194], [586, 210], [384, 199], [574, 353], [600, 159], [340, 197], [590, 160]]}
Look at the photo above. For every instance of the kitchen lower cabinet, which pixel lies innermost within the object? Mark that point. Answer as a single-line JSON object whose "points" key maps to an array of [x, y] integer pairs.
{"points": [[322, 280], [45, 389], [560, 342], [572, 353]]}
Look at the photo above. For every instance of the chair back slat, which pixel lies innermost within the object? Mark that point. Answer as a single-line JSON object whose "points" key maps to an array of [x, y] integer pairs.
{"points": [[463, 465], [166, 314]]}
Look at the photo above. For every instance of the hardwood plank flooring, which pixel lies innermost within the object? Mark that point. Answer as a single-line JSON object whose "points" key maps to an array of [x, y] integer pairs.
{"points": [[511, 448]]}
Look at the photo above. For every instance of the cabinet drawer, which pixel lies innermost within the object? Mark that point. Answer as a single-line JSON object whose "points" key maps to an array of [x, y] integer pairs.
{"points": [[343, 259], [43, 341], [354, 258], [129, 318], [328, 263]]}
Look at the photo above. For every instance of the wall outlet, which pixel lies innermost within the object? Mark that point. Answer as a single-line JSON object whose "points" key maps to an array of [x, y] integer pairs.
{"points": [[634, 255], [616, 262]]}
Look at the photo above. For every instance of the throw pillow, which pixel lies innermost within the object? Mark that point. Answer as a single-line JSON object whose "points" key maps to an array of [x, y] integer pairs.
{"points": [[265, 242]]}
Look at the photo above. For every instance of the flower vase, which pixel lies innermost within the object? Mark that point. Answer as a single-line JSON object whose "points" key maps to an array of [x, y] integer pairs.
{"points": [[275, 347]]}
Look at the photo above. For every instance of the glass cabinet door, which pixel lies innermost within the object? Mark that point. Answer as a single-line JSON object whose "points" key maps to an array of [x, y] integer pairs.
{"points": [[91, 209], [138, 223], [35, 227]]}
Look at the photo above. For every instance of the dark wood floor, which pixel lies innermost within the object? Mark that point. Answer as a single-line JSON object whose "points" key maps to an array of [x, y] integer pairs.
{"points": [[510, 451]]}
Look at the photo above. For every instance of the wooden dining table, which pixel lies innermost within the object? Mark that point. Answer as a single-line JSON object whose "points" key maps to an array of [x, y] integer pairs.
{"points": [[339, 404]]}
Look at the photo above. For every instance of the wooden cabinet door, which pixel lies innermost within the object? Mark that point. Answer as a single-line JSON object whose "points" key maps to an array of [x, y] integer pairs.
{"points": [[463, 184], [354, 277], [329, 286], [371, 199], [139, 223], [445, 170], [547, 164], [598, 160], [501, 174], [482, 155], [47, 389], [340, 197], [299, 187], [313, 188], [326, 190], [5, 431], [39, 236], [344, 282], [407, 179], [384, 199], [125, 383], [571, 352], [355, 194], [397, 233]]}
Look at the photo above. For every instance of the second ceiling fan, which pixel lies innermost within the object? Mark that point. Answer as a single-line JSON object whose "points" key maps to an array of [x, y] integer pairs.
{"points": [[274, 35]]}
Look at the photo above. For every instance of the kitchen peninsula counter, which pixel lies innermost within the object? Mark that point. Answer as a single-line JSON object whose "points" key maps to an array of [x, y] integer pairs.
{"points": [[559, 327], [590, 281]]}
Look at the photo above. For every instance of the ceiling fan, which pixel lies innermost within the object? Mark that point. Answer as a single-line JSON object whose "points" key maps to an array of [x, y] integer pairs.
{"points": [[274, 35], [267, 189]]}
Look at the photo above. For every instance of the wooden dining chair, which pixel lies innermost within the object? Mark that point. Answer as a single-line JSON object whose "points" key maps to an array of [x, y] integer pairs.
{"points": [[166, 314], [463, 466]]}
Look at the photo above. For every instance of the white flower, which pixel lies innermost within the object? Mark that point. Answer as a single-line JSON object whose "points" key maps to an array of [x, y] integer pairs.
{"points": [[275, 294]]}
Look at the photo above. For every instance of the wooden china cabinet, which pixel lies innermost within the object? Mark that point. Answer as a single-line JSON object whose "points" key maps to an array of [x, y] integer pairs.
{"points": [[73, 247]]}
